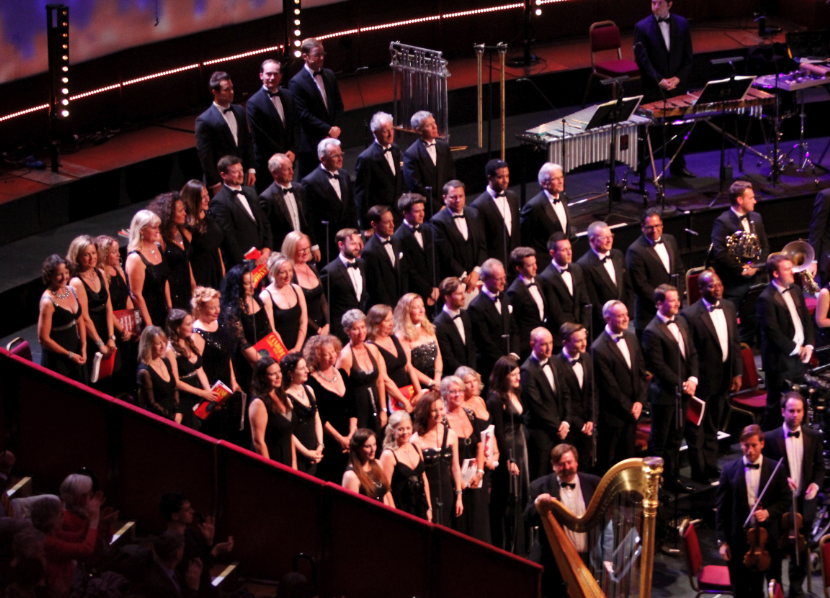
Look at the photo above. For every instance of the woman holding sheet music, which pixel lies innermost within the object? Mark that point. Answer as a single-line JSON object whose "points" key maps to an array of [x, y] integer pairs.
{"points": [[285, 303], [272, 416], [191, 379]]}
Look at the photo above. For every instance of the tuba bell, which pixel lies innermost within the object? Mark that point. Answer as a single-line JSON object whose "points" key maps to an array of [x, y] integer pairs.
{"points": [[802, 254]]}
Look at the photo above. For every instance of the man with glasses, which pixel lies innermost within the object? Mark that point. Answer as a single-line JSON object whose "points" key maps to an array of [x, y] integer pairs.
{"points": [[547, 213]]}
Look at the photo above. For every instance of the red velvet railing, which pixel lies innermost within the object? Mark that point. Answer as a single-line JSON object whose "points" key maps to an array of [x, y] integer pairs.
{"points": [[55, 426]]}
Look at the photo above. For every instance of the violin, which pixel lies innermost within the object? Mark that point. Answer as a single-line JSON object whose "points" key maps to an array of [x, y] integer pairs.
{"points": [[792, 522], [757, 558]]}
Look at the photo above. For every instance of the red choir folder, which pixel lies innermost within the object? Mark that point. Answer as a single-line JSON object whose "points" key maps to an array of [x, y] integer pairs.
{"points": [[130, 319], [260, 271], [271, 346], [408, 392], [102, 366], [205, 408], [696, 410]]}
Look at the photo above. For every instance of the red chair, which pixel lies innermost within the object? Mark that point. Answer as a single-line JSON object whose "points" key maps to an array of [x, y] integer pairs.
{"points": [[824, 553], [20, 347], [775, 590], [691, 283], [750, 398], [605, 37], [704, 579]]}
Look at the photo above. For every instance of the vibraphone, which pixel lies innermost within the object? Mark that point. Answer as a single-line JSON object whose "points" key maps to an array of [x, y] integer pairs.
{"points": [[586, 147]]}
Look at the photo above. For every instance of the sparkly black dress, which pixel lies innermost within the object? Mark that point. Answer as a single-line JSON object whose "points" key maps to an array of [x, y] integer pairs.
{"points": [[438, 462], [205, 260], [380, 490], [64, 332], [216, 361], [408, 488], [423, 358], [155, 279], [179, 261]]}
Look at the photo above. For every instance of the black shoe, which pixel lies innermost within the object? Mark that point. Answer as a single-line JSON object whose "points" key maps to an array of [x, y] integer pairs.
{"points": [[683, 172]]}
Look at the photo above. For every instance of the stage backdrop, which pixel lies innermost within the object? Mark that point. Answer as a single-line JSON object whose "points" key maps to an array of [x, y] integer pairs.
{"points": [[99, 27]]}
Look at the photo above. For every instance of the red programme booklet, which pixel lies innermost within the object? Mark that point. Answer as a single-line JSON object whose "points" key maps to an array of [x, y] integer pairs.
{"points": [[272, 346], [205, 408], [260, 271]]}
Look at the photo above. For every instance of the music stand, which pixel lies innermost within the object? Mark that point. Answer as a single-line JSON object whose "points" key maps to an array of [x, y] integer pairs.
{"points": [[613, 113]]}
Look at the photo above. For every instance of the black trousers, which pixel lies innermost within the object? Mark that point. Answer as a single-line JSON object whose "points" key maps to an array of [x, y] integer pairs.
{"points": [[539, 445], [664, 439], [615, 443], [776, 381], [703, 439]]}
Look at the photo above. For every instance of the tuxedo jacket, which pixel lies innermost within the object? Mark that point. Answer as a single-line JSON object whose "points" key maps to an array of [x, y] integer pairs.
{"points": [[582, 399], [241, 233], [455, 352], [494, 227], [419, 172], [620, 386], [728, 268], [647, 272], [316, 117], [565, 307], [733, 506], [525, 313], [544, 409], [539, 221], [488, 327], [417, 266], [812, 463], [778, 329], [273, 204], [270, 134], [374, 182], [214, 140], [458, 256], [342, 297], [663, 358], [820, 234], [384, 279], [655, 61], [322, 204], [601, 288], [715, 374]]}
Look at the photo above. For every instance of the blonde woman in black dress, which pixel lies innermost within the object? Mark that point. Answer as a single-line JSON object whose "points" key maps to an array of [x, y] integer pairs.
{"points": [[417, 335], [297, 246], [156, 381], [147, 269], [403, 464], [284, 303]]}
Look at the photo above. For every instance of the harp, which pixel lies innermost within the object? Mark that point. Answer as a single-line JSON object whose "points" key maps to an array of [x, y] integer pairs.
{"points": [[619, 525]]}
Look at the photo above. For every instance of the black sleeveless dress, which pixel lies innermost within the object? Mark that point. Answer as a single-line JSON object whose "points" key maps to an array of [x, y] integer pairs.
{"points": [[127, 355], [65, 333], [317, 314], [216, 361], [204, 259], [287, 321], [423, 358], [479, 507], [119, 292], [179, 262], [395, 365], [306, 430], [96, 303], [438, 462], [822, 340], [408, 488], [187, 374], [475, 520], [279, 435], [380, 490], [163, 400], [155, 278], [362, 386], [337, 411], [255, 327]]}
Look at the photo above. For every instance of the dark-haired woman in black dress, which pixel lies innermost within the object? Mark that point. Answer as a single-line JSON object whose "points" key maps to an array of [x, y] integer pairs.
{"points": [[364, 475], [272, 415], [308, 435], [60, 327], [191, 380], [205, 236], [404, 466], [169, 207]]}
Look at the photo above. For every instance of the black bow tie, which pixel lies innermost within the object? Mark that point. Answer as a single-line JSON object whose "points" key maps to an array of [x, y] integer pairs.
{"points": [[226, 110], [275, 94], [544, 363], [455, 317], [575, 360], [562, 270], [386, 242], [318, 72], [330, 175], [752, 466], [605, 259], [416, 228], [499, 193], [787, 290], [666, 20], [555, 200], [352, 265], [617, 339], [288, 190], [458, 216], [429, 143], [744, 217], [794, 434], [658, 242], [567, 485], [715, 306], [496, 297], [387, 150], [671, 321], [531, 284]]}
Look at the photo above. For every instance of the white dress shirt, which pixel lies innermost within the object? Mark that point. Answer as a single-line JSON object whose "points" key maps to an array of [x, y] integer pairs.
{"points": [[242, 200], [388, 155], [388, 247], [559, 209], [291, 204], [579, 371], [419, 236], [277, 102], [354, 275], [665, 30], [719, 321], [566, 276], [753, 480], [431, 151], [573, 500], [459, 325], [798, 337], [744, 223], [321, 86], [608, 264], [461, 225], [547, 368], [795, 455], [674, 328], [230, 118], [537, 296], [496, 302], [662, 253], [622, 345], [335, 182], [504, 209]]}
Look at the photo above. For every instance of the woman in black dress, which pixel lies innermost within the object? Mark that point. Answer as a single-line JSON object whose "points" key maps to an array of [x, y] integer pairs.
{"points": [[297, 246], [505, 407], [246, 319], [399, 371], [191, 380], [109, 259], [285, 304], [205, 236], [475, 521], [403, 465], [337, 412], [308, 435], [364, 372], [439, 445], [147, 269], [417, 336], [364, 475], [156, 382], [60, 326], [272, 415], [169, 207]]}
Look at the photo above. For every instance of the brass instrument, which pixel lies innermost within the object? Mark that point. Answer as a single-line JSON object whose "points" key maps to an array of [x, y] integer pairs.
{"points": [[802, 255], [744, 247], [624, 510]]}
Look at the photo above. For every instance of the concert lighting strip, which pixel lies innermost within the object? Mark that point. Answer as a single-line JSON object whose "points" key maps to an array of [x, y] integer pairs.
{"points": [[452, 15]]}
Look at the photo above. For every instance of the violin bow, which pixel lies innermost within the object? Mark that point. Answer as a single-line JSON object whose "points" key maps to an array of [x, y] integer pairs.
{"points": [[761, 496]]}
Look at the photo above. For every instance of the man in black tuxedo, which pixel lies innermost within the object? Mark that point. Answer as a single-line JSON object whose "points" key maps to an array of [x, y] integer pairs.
{"points": [[498, 211], [454, 328], [416, 240], [428, 161], [787, 335], [801, 448], [491, 315], [222, 130], [384, 282], [663, 51], [377, 172], [737, 276], [671, 358], [459, 235], [547, 213], [621, 367], [713, 325], [347, 276], [546, 400], [578, 376], [284, 204], [530, 307], [606, 276], [653, 259], [563, 283], [573, 489], [741, 482], [237, 211], [273, 121], [329, 194], [820, 235], [318, 102]]}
